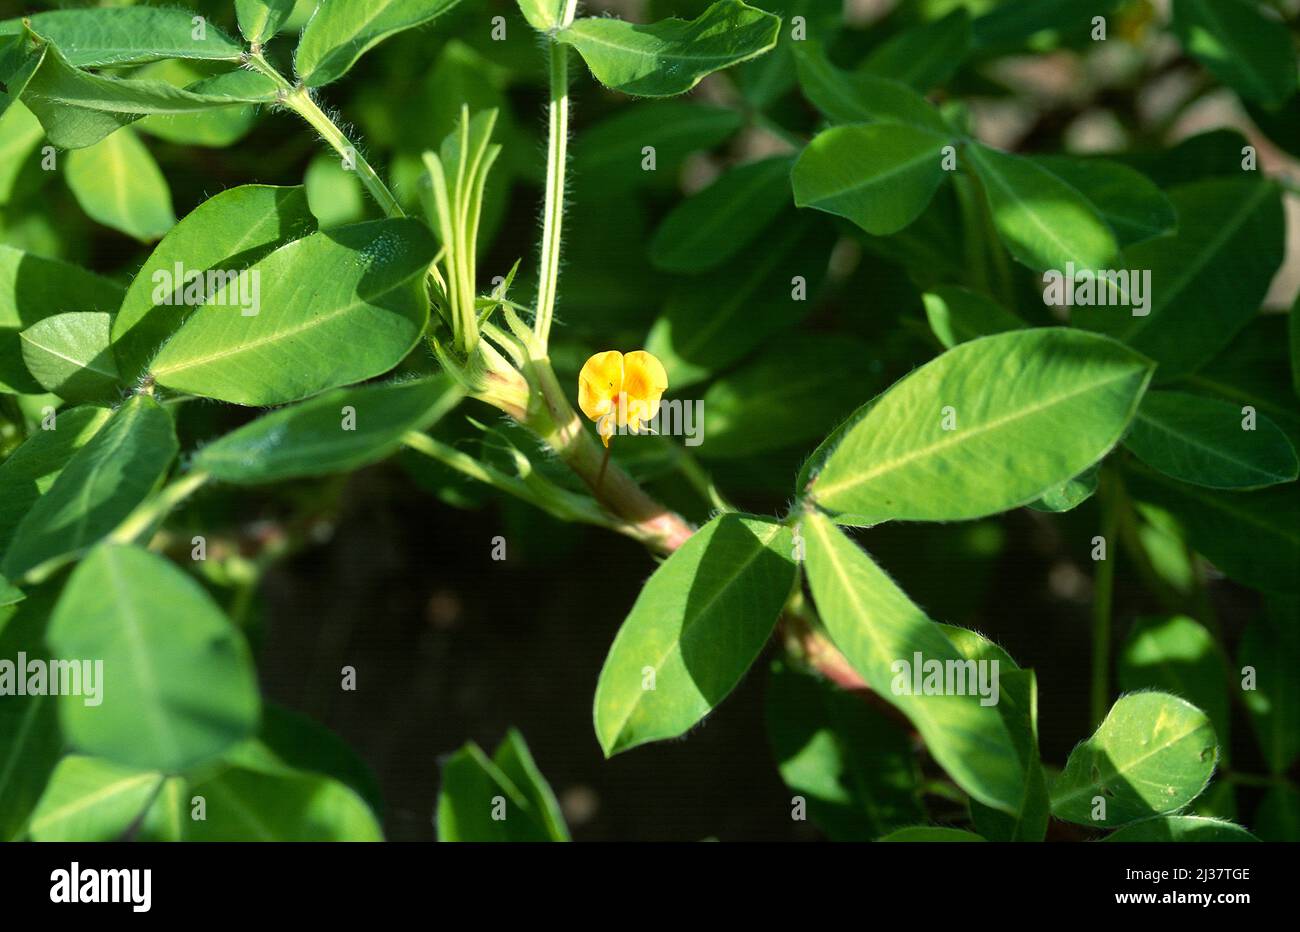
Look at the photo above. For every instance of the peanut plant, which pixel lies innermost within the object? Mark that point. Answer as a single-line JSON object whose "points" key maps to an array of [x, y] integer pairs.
{"points": [[808, 275]]}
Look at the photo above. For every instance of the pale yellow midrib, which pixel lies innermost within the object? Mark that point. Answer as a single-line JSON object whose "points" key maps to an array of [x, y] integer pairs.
{"points": [[963, 436]]}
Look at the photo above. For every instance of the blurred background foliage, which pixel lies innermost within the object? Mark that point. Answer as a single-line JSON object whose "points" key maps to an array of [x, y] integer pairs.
{"points": [[389, 570]]}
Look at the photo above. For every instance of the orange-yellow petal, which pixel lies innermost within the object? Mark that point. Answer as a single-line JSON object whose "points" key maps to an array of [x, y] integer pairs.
{"points": [[599, 383], [644, 380]]}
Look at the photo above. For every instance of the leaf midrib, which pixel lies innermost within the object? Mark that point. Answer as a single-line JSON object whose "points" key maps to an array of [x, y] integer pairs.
{"points": [[1211, 451], [689, 620], [963, 436]]}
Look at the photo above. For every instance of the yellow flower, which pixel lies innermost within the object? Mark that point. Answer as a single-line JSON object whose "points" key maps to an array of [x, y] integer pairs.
{"points": [[621, 391]]}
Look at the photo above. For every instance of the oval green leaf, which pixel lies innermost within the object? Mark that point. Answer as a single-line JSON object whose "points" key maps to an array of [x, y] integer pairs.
{"points": [[224, 234], [102, 483], [176, 687], [988, 426], [341, 31], [1153, 754], [31, 289], [334, 432], [70, 355], [1044, 221], [1206, 442], [332, 308], [671, 56], [697, 626], [877, 626], [118, 183], [879, 175]]}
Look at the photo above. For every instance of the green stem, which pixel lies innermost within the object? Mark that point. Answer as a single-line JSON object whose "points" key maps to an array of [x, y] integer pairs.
{"points": [[1102, 595], [298, 99], [145, 518], [556, 501], [557, 145]]}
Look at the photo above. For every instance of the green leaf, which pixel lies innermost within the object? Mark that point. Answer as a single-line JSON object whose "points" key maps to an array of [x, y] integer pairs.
{"points": [[177, 686], [1042, 24], [765, 82], [290, 743], [857, 97], [1153, 754], [89, 799], [31, 289], [875, 625], [931, 833], [477, 801], [1070, 494], [853, 767], [1252, 370], [213, 127], [1136, 209], [879, 175], [335, 193], [20, 58], [612, 152], [118, 183], [1254, 537], [924, 55], [108, 37], [20, 134], [70, 355], [697, 626], [1044, 221], [30, 470], [1270, 648], [338, 431], [78, 109], [1011, 439], [331, 308], [1203, 441], [259, 20], [100, 485], [671, 56], [1246, 50], [1177, 655], [958, 314], [786, 396], [226, 233], [710, 227], [1195, 307], [1018, 704], [516, 762], [1181, 828], [712, 321], [30, 741], [341, 31], [247, 805], [9, 593], [542, 15]]}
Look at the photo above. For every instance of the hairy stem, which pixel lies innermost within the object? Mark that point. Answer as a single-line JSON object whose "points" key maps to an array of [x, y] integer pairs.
{"points": [[299, 100], [557, 145]]}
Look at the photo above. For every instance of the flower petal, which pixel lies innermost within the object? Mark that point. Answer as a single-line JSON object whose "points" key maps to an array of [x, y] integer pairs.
{"points": [[644, 380], [599, 383]]}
